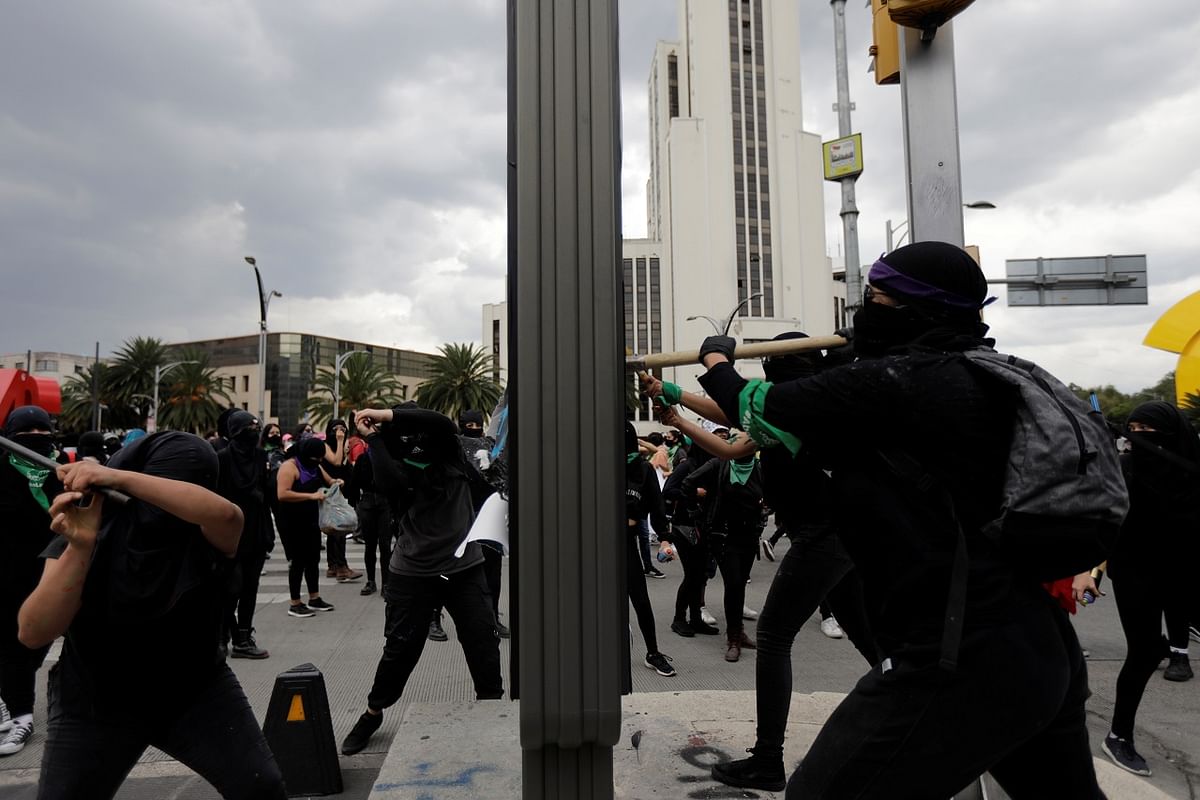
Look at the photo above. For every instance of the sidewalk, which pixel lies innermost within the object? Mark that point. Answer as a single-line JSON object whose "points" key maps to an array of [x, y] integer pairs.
{"points": [[471, 750]]}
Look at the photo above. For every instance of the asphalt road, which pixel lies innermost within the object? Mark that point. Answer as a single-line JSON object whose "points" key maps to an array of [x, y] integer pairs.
{"points": [[345, 645]]}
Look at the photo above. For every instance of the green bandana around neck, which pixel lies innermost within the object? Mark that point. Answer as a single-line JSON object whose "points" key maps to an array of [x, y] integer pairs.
{"points": [[37, 479], [629, 459], [750, 411], [739, 473]]}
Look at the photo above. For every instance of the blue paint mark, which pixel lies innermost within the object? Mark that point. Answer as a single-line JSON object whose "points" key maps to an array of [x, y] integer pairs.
{"points": [[464, 778]]}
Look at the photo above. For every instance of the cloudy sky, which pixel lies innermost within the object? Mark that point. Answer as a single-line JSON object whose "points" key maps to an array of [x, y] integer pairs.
{"points": [[356, 149]]}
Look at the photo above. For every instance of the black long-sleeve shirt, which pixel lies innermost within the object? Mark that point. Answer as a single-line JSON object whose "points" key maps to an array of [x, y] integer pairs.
{"points": [[643, 497], [418, 464], [932, 407]]}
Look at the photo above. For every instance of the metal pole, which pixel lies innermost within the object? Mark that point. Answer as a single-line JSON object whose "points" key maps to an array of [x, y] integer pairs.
{"points": [[96, 389], [262, 344], [154, 409], [337, 383], [931, 155], [849, 211], [570, 386]]}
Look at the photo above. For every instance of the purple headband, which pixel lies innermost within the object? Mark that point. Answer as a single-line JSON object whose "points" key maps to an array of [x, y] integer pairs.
{"points": [[888, 278]]}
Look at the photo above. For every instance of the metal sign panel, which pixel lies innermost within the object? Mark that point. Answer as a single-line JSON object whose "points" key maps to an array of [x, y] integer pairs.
{"points": [[843, 157], [1089, 281]]}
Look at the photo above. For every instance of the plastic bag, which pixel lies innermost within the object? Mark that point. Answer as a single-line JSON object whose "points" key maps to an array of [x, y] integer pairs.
{"points": [[665, 553], [336, 514]]}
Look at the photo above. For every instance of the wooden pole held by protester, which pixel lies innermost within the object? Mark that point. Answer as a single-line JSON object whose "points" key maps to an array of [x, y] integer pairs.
{"points": [[775, 347]]}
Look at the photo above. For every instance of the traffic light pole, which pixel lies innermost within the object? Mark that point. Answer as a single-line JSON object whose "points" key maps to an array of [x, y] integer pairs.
{"points": [[931, 155]]}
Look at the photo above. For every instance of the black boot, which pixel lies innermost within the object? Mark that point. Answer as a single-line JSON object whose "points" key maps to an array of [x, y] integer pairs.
{"points": [[755, 772], [244, 645], [436, 634]]}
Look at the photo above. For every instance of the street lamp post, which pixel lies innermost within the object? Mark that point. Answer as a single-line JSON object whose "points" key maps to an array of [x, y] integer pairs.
{"points": [[159, 371], [337, 377], [722, 328], [264, 303]]}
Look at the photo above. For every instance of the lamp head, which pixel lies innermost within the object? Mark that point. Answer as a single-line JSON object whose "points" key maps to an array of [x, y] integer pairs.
{"points": [[250, 260]]}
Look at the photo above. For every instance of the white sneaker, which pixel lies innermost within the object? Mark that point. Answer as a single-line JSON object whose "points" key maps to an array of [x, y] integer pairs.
{"points": [[706, 617], [5, 719], [749, 613], [16, 739], [830, 627]]}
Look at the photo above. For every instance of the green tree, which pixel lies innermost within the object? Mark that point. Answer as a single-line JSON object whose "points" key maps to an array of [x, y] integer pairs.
{"points": [[363, 384], [461, 380], [1191, 408], [130, 379], [190, 399], [77, 398]]}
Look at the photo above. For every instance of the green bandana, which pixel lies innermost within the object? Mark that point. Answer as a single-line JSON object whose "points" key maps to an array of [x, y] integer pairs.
{"points": [[417, 464], [629, 459], [740, 472], [671, 451], [37, 479], [672, 393], [750, 411]]}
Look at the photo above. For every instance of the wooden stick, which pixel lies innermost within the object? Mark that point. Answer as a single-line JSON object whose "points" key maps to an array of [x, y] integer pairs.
{"points": [[777, 347]]}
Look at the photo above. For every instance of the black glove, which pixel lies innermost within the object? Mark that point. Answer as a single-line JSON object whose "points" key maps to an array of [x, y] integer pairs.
{"points": [[718, 344]]}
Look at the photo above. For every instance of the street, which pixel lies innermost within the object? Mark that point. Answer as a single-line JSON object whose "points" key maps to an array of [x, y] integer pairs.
{"points": [[346, 643]]}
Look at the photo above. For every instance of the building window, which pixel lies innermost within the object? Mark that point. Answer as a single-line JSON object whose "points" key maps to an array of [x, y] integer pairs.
{"points": [[245, 383], [45, 365]]}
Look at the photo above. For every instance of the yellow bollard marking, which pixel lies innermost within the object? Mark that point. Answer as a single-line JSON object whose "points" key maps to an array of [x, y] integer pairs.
{"points": [[296, 710]]}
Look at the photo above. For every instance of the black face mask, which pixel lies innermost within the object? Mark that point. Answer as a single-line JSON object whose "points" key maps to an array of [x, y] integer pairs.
{"points": [[312, 463], [40, 443], [878, 328], [247, 438], [276, 440]]}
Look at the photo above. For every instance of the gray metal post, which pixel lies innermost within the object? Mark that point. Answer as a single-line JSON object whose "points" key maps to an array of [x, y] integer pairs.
{"points": [[930, 103], [96, 390], [849, 211], [262, 371], [568, 399]]}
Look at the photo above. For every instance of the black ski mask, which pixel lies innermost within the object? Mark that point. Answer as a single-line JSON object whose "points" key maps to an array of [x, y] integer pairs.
{"points": [[20, 427]]}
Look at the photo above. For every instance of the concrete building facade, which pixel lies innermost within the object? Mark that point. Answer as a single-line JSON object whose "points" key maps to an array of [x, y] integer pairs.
{"points": [[734, 199], [45, 364]]}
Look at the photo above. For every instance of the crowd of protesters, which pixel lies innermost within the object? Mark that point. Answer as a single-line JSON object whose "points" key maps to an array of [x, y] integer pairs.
{"points": [[883, 465]]}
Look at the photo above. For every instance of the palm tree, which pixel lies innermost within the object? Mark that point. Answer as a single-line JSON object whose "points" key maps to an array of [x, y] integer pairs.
{"points": [[461, 379], [131, 376], [192, 394], [78, 399], [1191, 408], [363, 384]]}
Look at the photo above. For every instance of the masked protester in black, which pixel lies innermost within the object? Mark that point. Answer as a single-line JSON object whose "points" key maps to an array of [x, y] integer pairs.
{"points": [[137, 589], [300, 485], [243, 481], [26, 491], [477, 449], [418, 463], [1152, 563], [1014, 704], [816, 566]]}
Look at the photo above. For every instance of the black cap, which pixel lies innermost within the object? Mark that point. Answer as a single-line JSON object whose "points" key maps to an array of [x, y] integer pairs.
{"points": [[27, 418]]}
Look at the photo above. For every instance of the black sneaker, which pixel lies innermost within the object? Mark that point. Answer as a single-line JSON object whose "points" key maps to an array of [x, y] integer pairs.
{"points": [[502, 630], [16, 739], [319, 604], [755, 772], [700, 626], [436, 632], [1179, 669], [660, 664], [682, 628], [368, 588], [1124, 756], [361, 733], [654, 573], [300, 610]]}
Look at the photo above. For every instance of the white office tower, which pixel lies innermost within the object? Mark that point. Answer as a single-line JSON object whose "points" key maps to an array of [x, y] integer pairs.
{"points": [[734, 201]]}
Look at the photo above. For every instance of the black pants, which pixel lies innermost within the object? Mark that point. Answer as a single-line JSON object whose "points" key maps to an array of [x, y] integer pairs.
{"points": [[815, 567], [1141, 601], [1015, 707], [303, 549], [694, 558], [216, 735], [493, 568], [375, 524], [335, 551], [240, 616], [18, 665], [410, 606], [638, 596], [644, 545], [735, 559]]}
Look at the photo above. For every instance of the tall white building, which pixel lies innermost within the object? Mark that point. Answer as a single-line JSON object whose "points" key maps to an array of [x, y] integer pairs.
{"points": [[734, 200]]}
